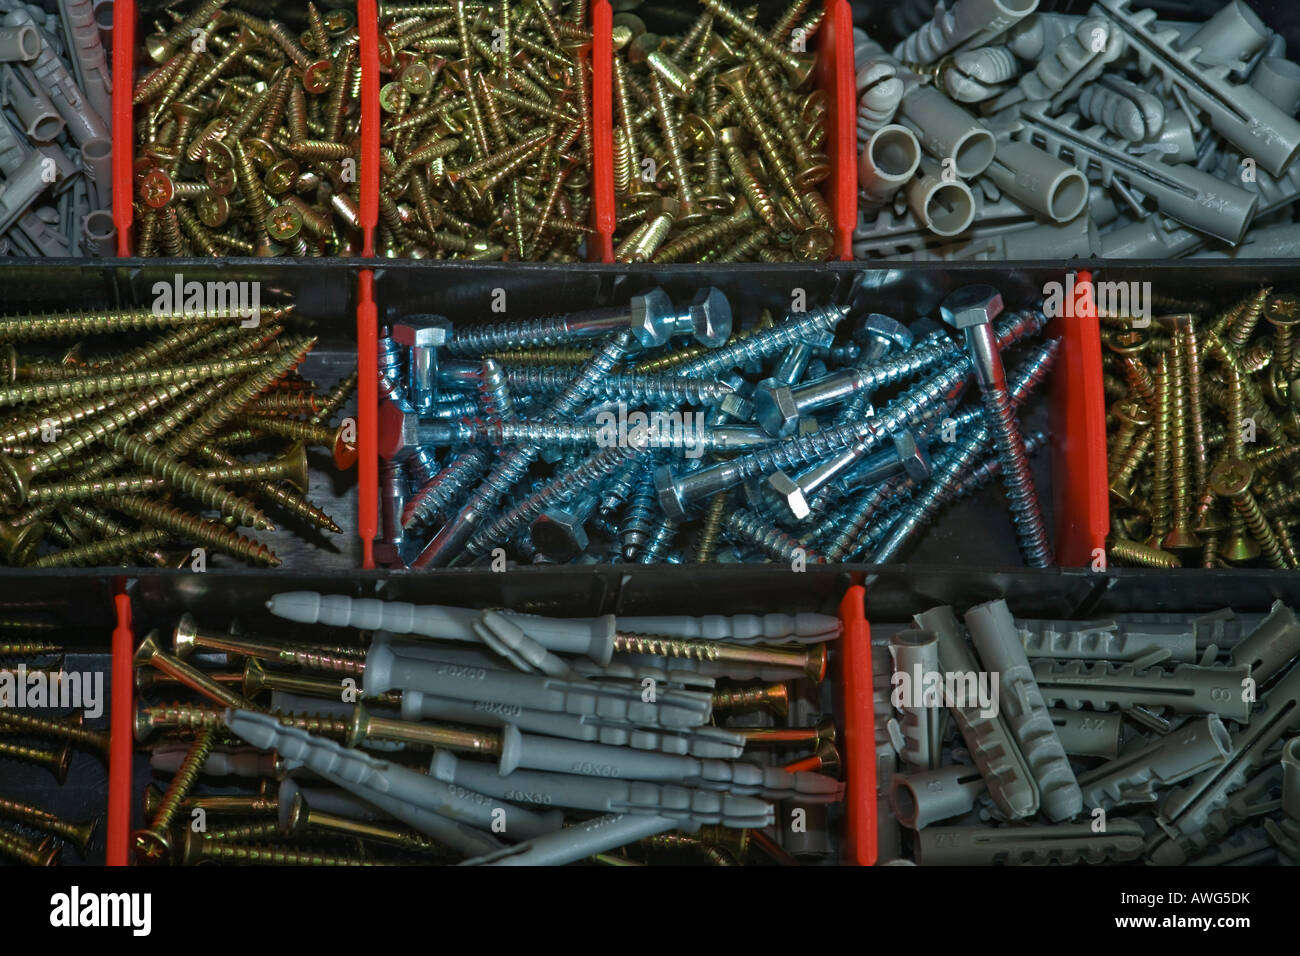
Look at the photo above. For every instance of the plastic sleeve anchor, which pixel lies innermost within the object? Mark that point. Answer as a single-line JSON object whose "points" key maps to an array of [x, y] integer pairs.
{"points": [[915, 654], [581, 841], [992, 747], [1061, 843], [919, 799], [1135, 777], [993, 631], [1186, 689]]}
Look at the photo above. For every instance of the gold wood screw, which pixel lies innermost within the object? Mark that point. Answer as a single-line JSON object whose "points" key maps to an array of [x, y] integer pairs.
{"points": [[153, 845]]}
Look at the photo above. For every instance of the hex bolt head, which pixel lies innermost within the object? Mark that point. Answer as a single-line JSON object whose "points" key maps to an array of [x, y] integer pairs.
{"points": [[879, 335], [914, 456], [559, 534], [776, 410], [710, 317], [787, 490], [652, 318], [971, 305], [398, 432]]}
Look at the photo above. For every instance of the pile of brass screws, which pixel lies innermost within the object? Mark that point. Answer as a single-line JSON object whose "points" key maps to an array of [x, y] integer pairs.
{"points": [[248, 135], [1204, 436], [486, 149], [29, 834], [124, 449], [718, 139]]}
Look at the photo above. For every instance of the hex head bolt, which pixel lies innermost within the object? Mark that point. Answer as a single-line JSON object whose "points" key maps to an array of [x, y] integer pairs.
{"points": [[972, 309], [925, 400], [650, 316], [57, 763], [1232, 479], [148, 654], [153, 845]]}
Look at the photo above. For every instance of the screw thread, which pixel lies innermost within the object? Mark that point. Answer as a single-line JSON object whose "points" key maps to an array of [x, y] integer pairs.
{"points": [[438, 494], [41, 326], [42, 758], [188, 480], [545, 331], [1247, 506], [126, 381], [849, 522], [1182, 493], [46, 821], [706, 546], [207, 533], [766, 343], [1136, 553], [291, 501], [1243, 326], [274, 856], [95, 553], [655, 645], [660, 544], [42, 727], [494, 391], [768, 696], [772, 541], [1161, 481], [183, 781], [29, 649], [24, 850], [67, 491], [564, 487], [760, 200], [1017, 479], [625, 386], [1195, 404], [638, 520]]}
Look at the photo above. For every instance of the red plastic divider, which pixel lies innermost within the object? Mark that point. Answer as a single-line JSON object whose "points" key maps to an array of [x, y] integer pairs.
{"points": [[600, 247], [367, 416], [117, 831], [858, 750], [368, 29], [124, 16], [1078, 421], [835, 75]]}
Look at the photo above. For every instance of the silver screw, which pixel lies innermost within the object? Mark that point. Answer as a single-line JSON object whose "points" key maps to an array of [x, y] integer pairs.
{"points": [[972, 309]]}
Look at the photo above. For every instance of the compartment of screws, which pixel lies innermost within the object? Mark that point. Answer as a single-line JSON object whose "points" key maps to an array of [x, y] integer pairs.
{"points": [[247, 132], [692, 417], [142, 426], [291, 740], [55, 689]]}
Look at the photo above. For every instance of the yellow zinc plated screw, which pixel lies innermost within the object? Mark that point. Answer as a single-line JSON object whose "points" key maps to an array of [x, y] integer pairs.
{"points": [[44, 325], [810, 660], [197, 850], [1231, 479], [95, 553], [192, 528], [56, 763], [153, 845], [44, 853], [78, 834], [70, 729], [188, 635], [148, 654], [1134, 552]]}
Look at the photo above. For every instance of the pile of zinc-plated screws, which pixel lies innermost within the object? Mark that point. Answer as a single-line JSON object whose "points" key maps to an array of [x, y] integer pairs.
{"points": [[55, 145], [110, 456], [480, 734], [248, 143], [1204, 426], [996, 132], [31, 835], [718, 140], [784, 443], [487, 133], [1180, 732]]}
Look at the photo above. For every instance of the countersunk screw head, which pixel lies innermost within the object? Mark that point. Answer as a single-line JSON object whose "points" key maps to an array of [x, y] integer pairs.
{"points": [[219, 157], [187, 630], [1132, 413], [776, 410], [417, 78], [1129, 342], [157, 189], [813, 245], [317, 77], [787, 490], [1231, 478], [283, 222], [971, 305], [213, 210], [697, 131], [735, 136], [1283, 309], [281, 177]]}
